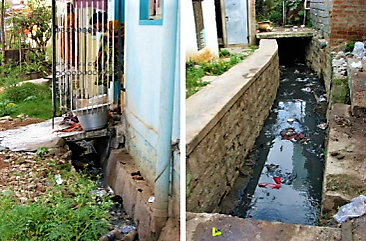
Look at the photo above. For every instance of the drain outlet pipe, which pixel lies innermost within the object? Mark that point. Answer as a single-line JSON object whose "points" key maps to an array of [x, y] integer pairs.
{"points": [[163, 162]]}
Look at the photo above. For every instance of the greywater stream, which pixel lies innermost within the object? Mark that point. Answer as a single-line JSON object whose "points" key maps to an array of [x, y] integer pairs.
{"points": [[286, 184]]}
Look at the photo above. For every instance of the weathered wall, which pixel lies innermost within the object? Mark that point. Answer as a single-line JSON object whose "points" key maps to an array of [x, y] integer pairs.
{"points": [[339, 20], [320, 15], [348, 21], [222, 122], [320, 60], [149, 50], [252, 23]]}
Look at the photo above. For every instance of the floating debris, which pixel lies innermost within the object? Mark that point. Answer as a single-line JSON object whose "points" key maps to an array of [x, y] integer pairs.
{"points": [[307, 89], [290, 120], [271, 185], [302, 80], [289, 134], [323, 126], [322, 98]]}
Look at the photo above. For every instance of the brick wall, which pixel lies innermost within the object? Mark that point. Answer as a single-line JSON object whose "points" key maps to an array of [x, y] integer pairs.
{"points": [[348, 21], [339, 20], [225, 121], [320, 15]]}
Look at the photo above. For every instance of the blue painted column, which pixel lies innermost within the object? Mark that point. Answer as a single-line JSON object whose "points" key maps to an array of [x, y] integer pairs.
{"points": [[165, 123]]}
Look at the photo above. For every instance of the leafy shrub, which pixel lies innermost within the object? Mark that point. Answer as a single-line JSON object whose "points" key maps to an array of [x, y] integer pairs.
{"points": [[7, 107], [224, 53], [20, 93]]}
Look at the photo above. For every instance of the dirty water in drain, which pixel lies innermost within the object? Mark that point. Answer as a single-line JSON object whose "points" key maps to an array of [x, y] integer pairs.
{"points": [[286, 184]]}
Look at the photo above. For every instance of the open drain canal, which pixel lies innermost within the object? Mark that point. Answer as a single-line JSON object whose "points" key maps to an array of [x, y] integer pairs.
{"points": [[87, 157], [286, 185]]}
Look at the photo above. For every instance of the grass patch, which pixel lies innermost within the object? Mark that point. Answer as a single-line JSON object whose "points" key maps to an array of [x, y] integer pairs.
{"points": [[34, 100], [195, 71], [67, 212], [340, 91]]}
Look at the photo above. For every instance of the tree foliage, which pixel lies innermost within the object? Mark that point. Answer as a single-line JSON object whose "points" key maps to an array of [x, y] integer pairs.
{"points": [[37, 21]]}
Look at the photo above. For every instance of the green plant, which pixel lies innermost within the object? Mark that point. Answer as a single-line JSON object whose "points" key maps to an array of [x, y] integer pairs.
{"points": [[350, 46], [40, 17], [340, 91], [41, 151], [7, 107], [224, 53], [195, 71], [34, 100], [67, 212]]}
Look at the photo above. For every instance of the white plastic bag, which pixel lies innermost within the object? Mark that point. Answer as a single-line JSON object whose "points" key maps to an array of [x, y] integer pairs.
{"points": [[359, 50], [356, 208]]}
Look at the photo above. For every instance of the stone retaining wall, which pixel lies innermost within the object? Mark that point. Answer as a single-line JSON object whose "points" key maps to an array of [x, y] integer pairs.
{"points": [[320, 60], [222, 122]]}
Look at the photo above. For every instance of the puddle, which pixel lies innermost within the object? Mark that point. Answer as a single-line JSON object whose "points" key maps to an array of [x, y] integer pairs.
{"points": [[286, 185]]}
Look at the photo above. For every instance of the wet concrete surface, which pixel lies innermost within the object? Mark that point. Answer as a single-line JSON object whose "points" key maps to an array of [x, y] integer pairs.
{"points": [[298, 164]]}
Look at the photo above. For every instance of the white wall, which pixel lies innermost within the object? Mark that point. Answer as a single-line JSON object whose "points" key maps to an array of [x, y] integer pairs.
{"points": [[209, 21], [189, 28], [145, 67]]}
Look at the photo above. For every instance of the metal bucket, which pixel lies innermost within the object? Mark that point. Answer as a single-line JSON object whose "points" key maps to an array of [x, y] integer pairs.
{"points": [[93, 117]]}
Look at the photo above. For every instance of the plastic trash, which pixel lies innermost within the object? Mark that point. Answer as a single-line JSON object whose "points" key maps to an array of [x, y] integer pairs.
{"points": [[277, 180], [356, 208], [356, 65], [59, 181], [307, 89], [271, 185], [126, 229], [322, 98], [216, 232], [151, 199], [323, 126], [359, 50]]}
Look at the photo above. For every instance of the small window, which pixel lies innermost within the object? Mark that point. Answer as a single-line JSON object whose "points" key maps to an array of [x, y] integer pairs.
{"points": [[151, 12]]}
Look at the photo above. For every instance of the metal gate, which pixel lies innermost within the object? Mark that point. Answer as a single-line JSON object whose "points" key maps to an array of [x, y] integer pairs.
{"points": [[88, 55]]}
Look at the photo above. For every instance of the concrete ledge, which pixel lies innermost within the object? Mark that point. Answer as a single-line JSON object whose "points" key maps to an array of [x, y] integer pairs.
{"points": [[287, 33], [135, 193], [222, 122], [344, 173], [357, 81], [205, 108], [199, 227]]}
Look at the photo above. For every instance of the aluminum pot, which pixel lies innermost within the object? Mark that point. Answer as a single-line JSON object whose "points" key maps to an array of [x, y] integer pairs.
{"points": [[93, 117]]}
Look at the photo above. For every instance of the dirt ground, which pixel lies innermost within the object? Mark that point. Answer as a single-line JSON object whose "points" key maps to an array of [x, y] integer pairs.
{"points": [[27, 176], [346, 164], [18, 122]]}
